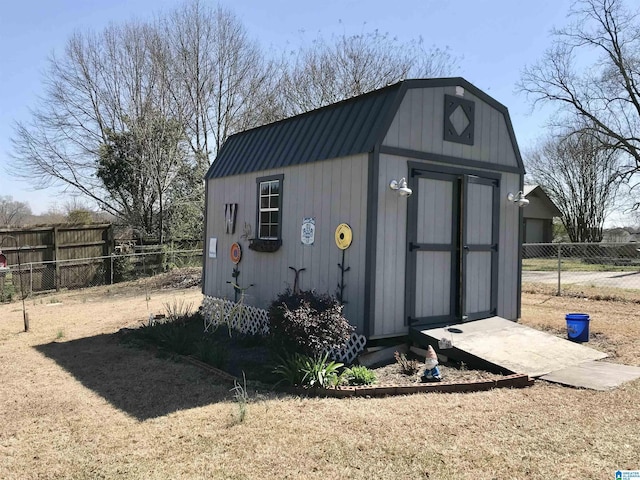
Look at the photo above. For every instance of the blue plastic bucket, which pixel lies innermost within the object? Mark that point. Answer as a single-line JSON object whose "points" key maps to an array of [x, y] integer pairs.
{"points": [[577, 327]]}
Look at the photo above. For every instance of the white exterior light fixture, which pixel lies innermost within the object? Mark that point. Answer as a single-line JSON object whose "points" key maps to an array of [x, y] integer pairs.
{"points": [[400, 187], [518, 199]]}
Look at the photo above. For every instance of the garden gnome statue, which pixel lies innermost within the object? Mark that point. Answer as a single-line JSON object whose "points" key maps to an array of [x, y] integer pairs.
{"points": [[431, 372]]}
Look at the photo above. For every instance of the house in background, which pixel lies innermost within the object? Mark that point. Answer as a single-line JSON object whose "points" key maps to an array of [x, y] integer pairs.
{"points": [[538, 215], [621, 235], [400, 199]]}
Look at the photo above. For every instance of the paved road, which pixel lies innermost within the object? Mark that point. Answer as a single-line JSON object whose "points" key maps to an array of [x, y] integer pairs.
{"points": [[597, 279]]}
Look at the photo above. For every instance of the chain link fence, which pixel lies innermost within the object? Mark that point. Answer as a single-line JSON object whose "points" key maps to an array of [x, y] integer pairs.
{"points": [[582, 265], [556, 265], [36, 277]]}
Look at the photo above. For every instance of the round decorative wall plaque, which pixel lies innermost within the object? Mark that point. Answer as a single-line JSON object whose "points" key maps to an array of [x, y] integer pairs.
{"points": [[343, 236], [235, 253]]}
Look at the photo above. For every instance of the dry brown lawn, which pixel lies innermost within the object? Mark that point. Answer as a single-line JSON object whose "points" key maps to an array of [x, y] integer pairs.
{"points": [[76, 403]]}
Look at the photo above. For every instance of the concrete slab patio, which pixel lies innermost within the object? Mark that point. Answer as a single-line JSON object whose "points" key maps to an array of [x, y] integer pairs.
{"points": [[511, 346], [594, 375]]}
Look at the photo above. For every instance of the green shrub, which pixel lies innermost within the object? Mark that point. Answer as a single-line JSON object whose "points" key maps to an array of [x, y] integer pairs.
{"points": [[123, 268], [360, 375], [308, 323], [7, 289]]}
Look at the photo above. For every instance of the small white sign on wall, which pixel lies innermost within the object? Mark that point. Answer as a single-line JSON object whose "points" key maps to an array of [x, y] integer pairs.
{"points": [[308, 231], [213, 247]]}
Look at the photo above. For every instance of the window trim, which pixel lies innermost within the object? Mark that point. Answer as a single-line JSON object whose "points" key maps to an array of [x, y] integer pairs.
{"points": [[259, 181]]}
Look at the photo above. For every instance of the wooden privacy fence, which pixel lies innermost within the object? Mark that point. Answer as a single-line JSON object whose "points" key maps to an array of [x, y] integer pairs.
{"points": [[91, 272], [58, 256]]}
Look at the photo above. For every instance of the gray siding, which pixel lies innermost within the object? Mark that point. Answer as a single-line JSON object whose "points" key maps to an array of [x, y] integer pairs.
{"points": [[391, 249], [508, 249], [331, 191], [418, 125]]}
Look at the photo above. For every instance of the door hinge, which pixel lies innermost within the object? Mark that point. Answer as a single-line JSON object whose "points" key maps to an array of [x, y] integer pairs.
{"points": [[413, 246]]}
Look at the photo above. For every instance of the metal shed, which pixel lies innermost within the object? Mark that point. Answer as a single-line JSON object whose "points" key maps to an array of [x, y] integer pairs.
{"points": [[447, 253]]}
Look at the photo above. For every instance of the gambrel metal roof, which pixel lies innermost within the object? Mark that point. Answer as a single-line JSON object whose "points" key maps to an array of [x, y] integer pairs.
{"points": [[349, 127]]}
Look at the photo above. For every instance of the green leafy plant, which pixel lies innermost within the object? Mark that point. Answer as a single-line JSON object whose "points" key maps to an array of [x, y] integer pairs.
{"points": [[311, 372], [308, 323], [291, 369], [360, 375], [320, 372], [408, 366]]}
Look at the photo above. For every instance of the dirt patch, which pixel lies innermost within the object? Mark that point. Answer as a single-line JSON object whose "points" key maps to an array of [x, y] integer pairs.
{"points": [[178, 278], [450, 372]]}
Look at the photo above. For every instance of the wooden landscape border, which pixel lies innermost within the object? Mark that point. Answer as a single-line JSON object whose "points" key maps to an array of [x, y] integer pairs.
{"points": [[517, 380]]}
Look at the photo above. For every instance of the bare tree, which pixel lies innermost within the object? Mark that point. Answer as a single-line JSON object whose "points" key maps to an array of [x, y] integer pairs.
{"points": [[121, 104], [163, 157], [603, 94], [13, 212], [346, 66], [581, 177], [218, 77], [99, 83]]}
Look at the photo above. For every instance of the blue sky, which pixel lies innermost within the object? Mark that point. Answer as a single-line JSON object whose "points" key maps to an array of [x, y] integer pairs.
{"points": [[495, 39]]}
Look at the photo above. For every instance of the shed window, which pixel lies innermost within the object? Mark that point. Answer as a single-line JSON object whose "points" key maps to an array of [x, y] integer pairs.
{"points": [[269, 207]]}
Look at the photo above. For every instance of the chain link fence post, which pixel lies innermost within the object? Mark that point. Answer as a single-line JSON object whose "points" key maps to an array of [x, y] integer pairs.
{"points": [[559, 293]]}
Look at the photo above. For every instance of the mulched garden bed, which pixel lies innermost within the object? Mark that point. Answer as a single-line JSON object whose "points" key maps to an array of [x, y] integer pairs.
{"points": [[250, 358]]}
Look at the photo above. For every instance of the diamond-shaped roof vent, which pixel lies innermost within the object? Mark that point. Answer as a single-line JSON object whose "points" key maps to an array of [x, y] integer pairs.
{"points": [[459, 120]]}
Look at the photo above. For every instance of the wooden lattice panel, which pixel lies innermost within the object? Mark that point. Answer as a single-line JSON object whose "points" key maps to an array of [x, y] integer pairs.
{"points": [[255, 321], [348, 353], [242, 318]]}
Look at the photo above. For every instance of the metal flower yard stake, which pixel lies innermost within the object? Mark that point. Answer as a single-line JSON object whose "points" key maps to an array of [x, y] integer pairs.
{"points": [[343, 237]]}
